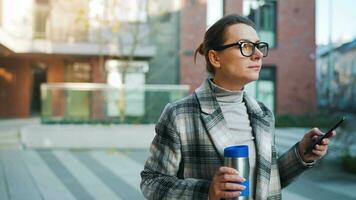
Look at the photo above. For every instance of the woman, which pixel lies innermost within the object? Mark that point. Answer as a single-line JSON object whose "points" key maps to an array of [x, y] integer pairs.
{"points": [[186, 160]]}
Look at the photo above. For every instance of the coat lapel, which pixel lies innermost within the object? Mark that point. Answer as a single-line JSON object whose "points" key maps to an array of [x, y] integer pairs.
{"points": [[261, 126], [213, 118]]}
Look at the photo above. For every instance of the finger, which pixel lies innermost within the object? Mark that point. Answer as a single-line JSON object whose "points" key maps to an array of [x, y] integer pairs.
{"points": [[320, 147], [325, 141], [318, 153], [315, 137], [313, 132], [333, 133], [226, 170], [230, 194], [231, 178], [231, 186]]}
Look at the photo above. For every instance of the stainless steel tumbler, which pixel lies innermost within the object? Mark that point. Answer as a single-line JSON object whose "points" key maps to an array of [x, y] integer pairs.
{"points": [[237, 157]]}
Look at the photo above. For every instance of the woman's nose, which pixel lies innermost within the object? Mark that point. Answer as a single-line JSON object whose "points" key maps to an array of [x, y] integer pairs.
{"points": [[257, 54]]}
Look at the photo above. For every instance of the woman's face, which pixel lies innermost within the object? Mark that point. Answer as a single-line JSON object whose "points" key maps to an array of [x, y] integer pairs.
{"points": [[232, 69]]}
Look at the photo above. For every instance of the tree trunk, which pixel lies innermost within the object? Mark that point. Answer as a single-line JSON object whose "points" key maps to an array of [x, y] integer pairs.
{"points": [[122, 95]]}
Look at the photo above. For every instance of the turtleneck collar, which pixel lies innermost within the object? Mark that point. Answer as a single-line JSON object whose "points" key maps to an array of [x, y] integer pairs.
{"points": [[224, 95]]}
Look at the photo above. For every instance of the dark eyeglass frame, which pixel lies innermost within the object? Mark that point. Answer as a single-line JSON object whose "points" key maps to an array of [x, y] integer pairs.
{"points": [[240, 43]]}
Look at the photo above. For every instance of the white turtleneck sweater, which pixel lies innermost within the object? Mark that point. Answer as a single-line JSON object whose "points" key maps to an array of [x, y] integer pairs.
{"points": [[235, 113]]}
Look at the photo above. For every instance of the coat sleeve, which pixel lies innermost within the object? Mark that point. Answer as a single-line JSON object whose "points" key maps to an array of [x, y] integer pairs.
{"points": [[291, 165], [160, 179]]}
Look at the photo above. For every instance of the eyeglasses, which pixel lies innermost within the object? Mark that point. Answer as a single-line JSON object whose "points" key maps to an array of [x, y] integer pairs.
{"points": [[247, 48]]}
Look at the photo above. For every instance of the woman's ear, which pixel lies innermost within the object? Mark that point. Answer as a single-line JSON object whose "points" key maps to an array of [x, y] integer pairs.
{"points": [[214, 58]]}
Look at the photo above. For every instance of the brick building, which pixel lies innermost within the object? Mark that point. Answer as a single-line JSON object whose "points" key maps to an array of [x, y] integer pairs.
{"points": [[287, 79]]}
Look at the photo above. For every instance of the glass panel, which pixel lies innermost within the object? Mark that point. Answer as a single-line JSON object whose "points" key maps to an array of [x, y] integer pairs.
{"points": [[99, 103], [135, 76], [135, 98], [46, 101], [77, 105]]}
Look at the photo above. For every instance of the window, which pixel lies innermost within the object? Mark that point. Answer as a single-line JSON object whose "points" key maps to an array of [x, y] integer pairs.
{"points": [[264, 88], [78, 72], [263, 13], [214, 11], [41, 13]]}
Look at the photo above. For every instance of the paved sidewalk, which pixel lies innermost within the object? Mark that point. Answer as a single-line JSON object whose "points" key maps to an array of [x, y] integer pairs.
{"points": [[114, 173], [62, 174]]}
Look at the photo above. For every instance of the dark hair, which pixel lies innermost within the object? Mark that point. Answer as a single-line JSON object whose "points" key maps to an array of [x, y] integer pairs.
{"points": [[215, 36]]}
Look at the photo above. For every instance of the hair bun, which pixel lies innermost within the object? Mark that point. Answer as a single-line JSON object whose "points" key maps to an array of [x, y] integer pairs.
{"points": [[201, 49]]}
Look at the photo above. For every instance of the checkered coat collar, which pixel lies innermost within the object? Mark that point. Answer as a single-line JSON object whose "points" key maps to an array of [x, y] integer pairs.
{"points": [[261, 123]]}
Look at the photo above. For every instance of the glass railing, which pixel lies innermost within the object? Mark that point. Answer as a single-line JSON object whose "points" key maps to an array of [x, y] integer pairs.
{"points": [[82, 103]]}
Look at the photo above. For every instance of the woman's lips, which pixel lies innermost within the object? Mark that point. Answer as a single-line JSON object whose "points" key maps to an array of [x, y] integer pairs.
{"points": [[254, 67]]}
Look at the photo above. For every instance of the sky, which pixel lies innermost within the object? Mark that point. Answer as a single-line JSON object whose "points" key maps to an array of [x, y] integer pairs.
{"points": [[343, 23]]}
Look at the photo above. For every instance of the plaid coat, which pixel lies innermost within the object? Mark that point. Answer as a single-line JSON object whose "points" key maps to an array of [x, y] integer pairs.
{"points": [[188, 148]]}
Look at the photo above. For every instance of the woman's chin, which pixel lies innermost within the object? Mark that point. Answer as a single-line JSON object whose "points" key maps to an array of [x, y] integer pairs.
{"points": [[253, 77]]}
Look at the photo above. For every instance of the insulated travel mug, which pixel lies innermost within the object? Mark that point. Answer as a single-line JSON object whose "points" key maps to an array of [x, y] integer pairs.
{"points": [[237, 157]]}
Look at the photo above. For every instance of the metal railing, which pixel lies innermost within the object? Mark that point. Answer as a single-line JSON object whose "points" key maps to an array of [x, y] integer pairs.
{"points": [[82, 103]]}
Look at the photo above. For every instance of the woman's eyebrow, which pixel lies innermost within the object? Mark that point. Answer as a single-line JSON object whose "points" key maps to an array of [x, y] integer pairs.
{"points": [[247, 40]]}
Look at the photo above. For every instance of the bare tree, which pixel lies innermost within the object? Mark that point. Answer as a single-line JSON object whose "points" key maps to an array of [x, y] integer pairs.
{"points": [[127, 23], [119, 27]]}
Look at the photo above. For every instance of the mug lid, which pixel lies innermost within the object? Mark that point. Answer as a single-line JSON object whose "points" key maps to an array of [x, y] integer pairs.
{"points": [[237, 151]]}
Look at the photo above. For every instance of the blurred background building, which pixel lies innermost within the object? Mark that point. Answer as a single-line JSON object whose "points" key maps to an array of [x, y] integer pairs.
{"points": [[143, 42], [336, 78], [83, 41]]}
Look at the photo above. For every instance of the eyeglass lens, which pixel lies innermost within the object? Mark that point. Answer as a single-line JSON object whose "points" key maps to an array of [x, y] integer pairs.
{"points": [[248, 48]]}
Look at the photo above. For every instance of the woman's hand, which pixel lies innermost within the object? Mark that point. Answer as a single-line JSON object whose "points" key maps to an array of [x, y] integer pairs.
{"points": [[225, 179], [319, 150]]}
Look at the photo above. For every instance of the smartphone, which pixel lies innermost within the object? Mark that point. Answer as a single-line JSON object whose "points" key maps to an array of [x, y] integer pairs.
{"points": [[326, 135]]}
